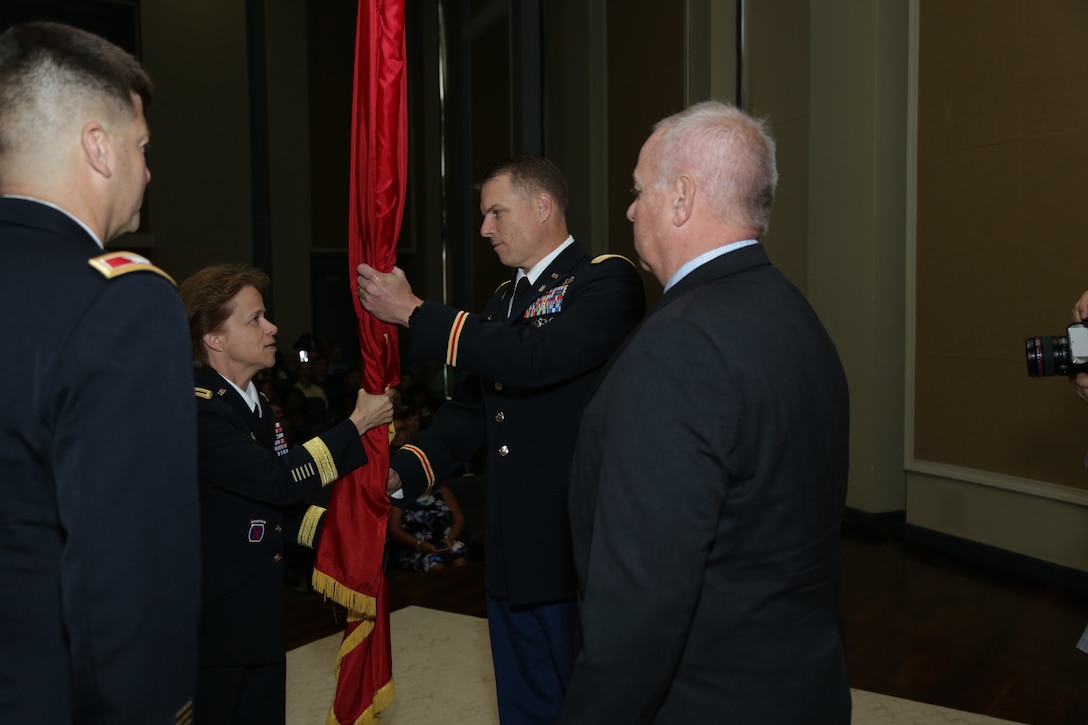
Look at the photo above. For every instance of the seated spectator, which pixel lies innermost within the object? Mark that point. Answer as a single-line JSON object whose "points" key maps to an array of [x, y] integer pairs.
{"points": [[426, 535], [400, 429], [317, 404], [413, 421], [295, 414], [421, 399]]}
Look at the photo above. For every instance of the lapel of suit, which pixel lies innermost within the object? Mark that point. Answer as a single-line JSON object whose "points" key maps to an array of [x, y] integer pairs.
{"points": [[727, 264], [555, 275]]}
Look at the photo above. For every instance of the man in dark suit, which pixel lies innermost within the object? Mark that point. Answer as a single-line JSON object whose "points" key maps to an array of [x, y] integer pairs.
{"points": [[710, 470], [99, 548], [539, 355]]}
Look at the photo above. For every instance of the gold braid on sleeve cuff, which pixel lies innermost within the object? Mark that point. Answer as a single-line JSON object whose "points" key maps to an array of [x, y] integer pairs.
{"points": [[424, 462], [453, 344], [184, 716], [308, 529], [326, 466]]}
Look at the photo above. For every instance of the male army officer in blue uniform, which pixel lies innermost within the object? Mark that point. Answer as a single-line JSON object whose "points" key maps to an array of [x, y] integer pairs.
{"points": [[539, 355], [99, 527]]}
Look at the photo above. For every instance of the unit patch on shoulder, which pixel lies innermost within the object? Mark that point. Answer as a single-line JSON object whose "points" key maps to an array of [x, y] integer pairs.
{"points": [[605, 257], [114, 264], [203, 393]]}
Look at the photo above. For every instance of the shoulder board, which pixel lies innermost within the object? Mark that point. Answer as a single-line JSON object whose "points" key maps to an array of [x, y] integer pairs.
{"points": [[203, 393], [114, 264], [605, 257], [501, 286]]}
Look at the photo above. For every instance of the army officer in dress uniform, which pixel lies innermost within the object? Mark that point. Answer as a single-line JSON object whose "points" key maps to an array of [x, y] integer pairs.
{"points": [[251, 493], [99, 556], [539, 353]]}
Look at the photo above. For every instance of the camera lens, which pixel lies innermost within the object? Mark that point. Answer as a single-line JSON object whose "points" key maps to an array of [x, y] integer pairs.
{"points": [[1047, 355]]}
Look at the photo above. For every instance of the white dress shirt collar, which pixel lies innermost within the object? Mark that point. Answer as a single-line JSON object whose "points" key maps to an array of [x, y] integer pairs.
{"points": [[540, 266], [692, 264]]}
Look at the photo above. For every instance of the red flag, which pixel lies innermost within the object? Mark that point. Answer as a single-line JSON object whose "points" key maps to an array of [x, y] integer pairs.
{"points": [[348, 566]]}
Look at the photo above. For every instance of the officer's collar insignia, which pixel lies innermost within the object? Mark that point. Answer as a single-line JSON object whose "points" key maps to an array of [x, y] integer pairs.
{"points": [[555, 275], [221, 392], [569, 279]]}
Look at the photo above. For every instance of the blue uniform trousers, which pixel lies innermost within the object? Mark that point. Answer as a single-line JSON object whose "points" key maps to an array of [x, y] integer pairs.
{"points": [[532, 649]]}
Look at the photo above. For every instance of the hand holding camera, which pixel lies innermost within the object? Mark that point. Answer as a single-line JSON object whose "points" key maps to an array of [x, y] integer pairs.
{"points": [[1049, 355]]}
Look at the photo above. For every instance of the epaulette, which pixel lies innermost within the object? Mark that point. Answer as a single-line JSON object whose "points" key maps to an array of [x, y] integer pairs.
{"points": [[501, 286], [605, 257], [203, 393], [114, 264]]}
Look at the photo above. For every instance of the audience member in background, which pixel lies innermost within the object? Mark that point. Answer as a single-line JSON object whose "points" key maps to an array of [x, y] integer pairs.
{"points": [[294, 411], [400, 430], [338, 362], [251, 493], [99, 552], [428, 533], [304, 381], [422, 400]]}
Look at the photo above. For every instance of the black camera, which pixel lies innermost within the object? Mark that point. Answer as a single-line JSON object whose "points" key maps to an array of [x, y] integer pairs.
{"points": [[1059, 355]]}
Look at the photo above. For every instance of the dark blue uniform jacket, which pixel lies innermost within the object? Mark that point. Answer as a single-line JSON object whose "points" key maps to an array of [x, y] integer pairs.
{"points": [[537, 370], [251, 511]]}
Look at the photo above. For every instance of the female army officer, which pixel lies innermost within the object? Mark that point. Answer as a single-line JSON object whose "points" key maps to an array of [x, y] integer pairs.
{"points": [[251, 495]]}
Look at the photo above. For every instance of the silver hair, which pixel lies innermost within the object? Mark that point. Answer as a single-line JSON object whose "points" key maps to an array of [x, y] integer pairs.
{"points": [[730, 154]]}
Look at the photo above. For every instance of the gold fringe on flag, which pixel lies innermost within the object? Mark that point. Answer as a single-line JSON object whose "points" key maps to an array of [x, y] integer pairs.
{"points": [[354, 639], [383, 698], [355, 601]]}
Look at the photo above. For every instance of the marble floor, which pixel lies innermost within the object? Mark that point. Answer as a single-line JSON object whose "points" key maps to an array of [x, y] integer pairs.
{"points": [[442, 674]]}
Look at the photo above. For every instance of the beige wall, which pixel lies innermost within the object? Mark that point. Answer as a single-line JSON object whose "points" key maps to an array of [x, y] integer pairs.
{"points": [[289, 134], [856, 224], [995, 241], [199, 195], [199, 198]]}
